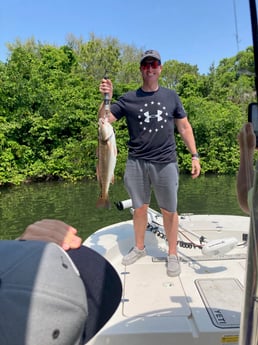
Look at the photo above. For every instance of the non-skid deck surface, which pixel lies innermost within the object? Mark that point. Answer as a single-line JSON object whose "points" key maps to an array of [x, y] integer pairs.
{"points": [[222, 299], [149, 291]]}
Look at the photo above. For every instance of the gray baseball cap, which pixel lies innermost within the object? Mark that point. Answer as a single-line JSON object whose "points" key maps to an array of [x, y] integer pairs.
{"points": [[150, 53], [42, 297]]}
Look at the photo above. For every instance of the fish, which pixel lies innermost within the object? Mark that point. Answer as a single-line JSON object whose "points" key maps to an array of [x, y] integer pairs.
{"points": [[106, 156]]}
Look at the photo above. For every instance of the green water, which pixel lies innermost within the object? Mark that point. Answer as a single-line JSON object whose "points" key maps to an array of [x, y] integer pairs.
{"points": [[74, 203]]}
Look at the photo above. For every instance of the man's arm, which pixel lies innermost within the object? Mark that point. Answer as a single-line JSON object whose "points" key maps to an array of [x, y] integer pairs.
{"points": [[102, 113], [245, 176], [186, 132]]}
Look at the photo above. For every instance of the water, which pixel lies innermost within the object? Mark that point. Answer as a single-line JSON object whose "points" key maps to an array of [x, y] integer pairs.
{"points": [[74, 203]]}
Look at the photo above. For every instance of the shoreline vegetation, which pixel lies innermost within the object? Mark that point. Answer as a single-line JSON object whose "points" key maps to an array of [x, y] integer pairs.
{"points": [[49, 100]]}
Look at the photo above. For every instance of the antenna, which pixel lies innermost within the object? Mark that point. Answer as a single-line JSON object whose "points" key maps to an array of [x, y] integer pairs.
{"points": [[236, 27]]}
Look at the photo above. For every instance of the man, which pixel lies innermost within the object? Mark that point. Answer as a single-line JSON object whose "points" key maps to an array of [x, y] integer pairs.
{"points": [[151, 112], [52, 289]]}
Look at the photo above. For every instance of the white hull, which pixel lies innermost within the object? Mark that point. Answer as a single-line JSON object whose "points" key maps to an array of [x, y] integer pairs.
{"points": [[200, 307]]}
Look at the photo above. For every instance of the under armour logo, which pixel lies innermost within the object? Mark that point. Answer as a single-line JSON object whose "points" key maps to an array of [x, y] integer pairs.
{"points": [[149, 116]]}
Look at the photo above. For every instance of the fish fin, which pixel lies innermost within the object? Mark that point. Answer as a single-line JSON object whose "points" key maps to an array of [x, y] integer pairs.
{"points": [[103, 203], [97, 173]]}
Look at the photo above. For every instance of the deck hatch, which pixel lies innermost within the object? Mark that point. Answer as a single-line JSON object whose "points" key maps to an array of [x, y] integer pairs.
{"points": [[222, 299], [151, 293]]}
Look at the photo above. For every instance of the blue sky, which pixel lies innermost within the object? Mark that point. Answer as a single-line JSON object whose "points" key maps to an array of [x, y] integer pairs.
{"points": [[199, 32]]}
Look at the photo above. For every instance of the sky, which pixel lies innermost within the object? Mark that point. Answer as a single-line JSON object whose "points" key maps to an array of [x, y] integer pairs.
{"points": [[198, 32]]}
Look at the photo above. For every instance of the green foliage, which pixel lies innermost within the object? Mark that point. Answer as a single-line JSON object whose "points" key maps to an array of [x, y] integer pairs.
{"points": [[173, 71], [215, 128], [49, 99]]}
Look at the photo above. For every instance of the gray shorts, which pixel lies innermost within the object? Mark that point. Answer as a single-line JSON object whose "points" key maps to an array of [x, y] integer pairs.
{"points": [[141, 176]]}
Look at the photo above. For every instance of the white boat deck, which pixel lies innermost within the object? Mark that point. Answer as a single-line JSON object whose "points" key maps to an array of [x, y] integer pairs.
{"points": [[200, 307]]}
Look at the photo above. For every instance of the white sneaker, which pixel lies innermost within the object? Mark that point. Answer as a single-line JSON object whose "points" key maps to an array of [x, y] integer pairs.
{"points": [[173, 266], [133, 255]]}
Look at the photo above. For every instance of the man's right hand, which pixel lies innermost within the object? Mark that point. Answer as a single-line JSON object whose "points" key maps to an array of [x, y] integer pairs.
{"points": [[106, 87], [52, 230]]}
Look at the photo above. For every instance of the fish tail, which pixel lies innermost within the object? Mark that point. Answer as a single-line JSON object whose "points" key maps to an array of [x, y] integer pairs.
{"points": [[103, 203]]}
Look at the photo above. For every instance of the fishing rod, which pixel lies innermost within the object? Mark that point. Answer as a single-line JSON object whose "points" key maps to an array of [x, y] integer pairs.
{"points": [[209, 247]]}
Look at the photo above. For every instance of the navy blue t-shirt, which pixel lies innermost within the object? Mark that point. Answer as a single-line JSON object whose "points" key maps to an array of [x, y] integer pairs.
{"points": [[150, 120]]}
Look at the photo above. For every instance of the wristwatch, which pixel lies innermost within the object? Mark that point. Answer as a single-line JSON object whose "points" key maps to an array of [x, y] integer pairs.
{"points": [[195, 156]]}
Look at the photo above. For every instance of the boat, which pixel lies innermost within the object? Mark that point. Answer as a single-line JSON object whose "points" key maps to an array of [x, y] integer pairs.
{"points": [[214, 301], [201, 306]]}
